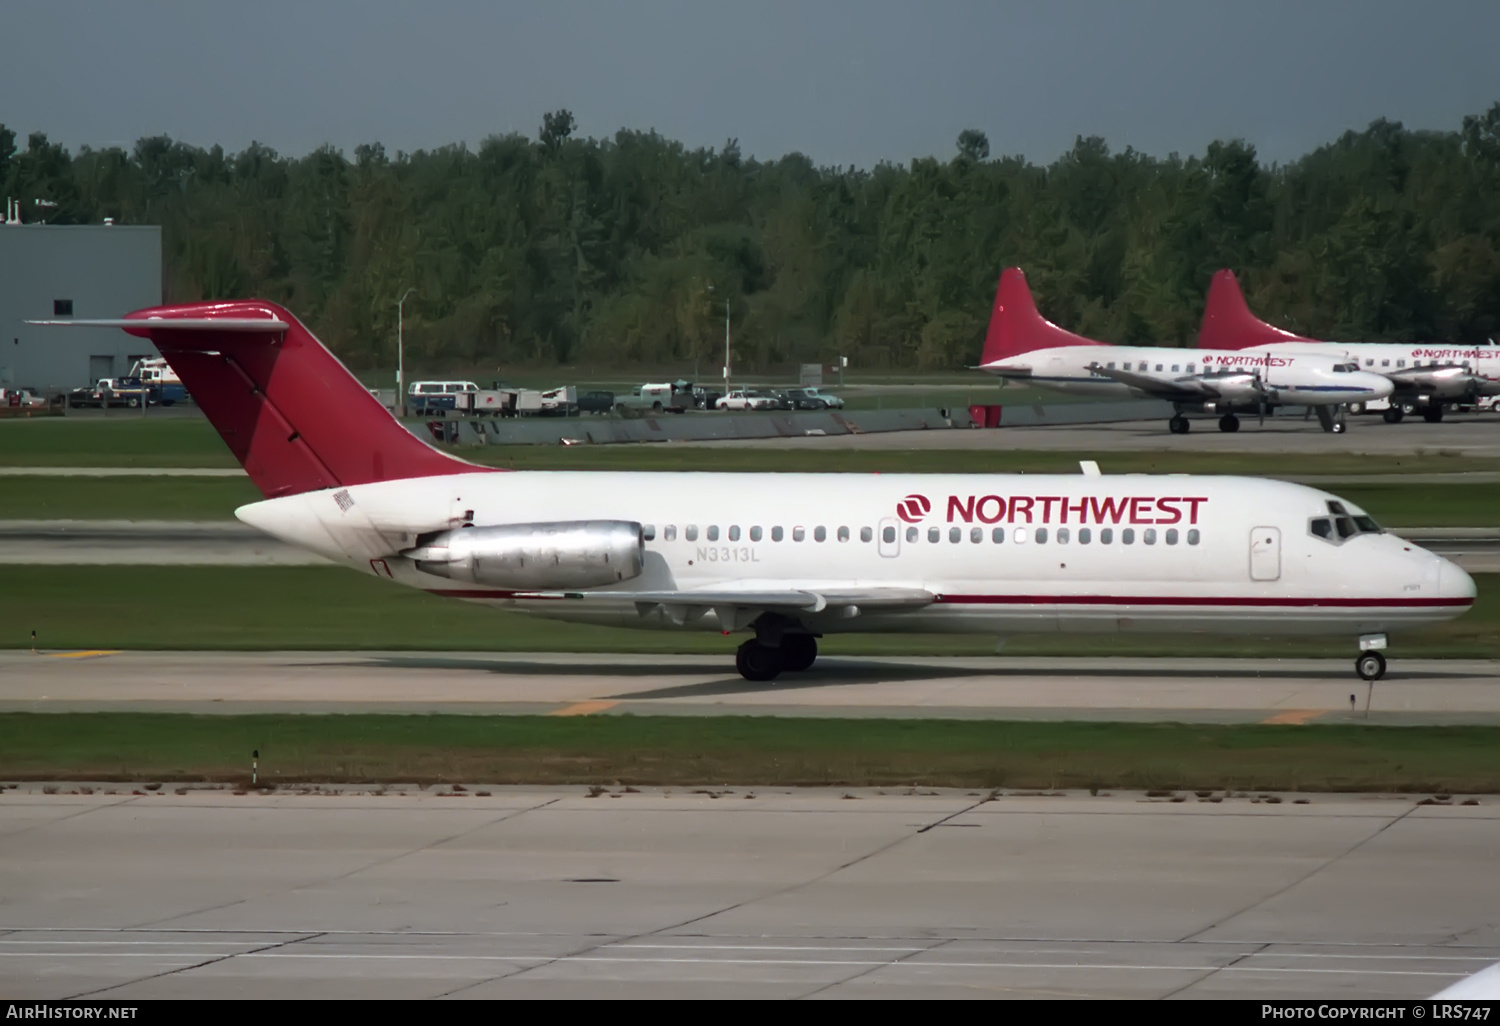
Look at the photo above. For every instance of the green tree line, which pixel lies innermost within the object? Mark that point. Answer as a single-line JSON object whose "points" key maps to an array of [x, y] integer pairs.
{"points": [[567, 249]]}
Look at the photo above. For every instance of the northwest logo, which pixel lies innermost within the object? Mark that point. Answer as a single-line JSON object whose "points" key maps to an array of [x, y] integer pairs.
{"points": [[913, 508]]}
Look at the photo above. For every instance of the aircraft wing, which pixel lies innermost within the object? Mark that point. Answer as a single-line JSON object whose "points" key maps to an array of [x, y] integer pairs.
{"points": [[1181, 389], [1482, 986]]}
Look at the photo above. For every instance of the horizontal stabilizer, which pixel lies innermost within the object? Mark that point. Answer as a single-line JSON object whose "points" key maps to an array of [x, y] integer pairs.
{"points": [[136, 327]]}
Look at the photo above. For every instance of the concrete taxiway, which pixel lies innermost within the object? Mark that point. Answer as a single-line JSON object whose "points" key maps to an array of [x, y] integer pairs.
{"points": [[735, 893], [1416, 691]]}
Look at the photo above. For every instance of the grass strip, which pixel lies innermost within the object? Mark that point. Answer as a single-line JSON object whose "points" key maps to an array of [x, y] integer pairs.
{"points": [[679, 751], [322, 608], [124, 498]]}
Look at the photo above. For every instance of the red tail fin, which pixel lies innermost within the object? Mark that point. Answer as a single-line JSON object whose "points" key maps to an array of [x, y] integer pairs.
{"points": [[1228, 322], [1015, 325], [291, 413]]}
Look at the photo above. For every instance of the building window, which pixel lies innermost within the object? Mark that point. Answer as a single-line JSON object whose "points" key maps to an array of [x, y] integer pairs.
{"points": [[62, 308]]}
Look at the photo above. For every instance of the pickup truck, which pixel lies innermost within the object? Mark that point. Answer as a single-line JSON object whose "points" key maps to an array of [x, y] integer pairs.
{"points": [[129, 392]]}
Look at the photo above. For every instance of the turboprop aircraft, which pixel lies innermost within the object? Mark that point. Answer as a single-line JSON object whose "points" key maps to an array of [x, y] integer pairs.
{"points": [[788, 558], [1022, 345], [1425, 375]]}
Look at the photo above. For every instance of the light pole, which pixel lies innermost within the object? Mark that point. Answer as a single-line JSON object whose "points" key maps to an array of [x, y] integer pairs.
{"points": [[401, 352], [726, 341]]}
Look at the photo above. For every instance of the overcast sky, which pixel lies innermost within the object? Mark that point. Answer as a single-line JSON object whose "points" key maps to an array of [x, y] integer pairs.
{"points": [[844, 81]]}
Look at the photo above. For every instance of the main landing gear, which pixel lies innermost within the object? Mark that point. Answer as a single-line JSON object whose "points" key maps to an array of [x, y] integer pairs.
{"points": [[1229, 422], [1332, 418], [1432, 413], [1178, 425], [759, 660], [1371, 662]]}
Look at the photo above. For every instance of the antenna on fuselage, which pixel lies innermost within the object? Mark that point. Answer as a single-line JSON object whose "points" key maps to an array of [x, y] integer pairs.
{"points": [[1089, 468]]}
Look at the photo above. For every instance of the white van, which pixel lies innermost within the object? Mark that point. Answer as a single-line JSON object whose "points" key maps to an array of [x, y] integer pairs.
{"points": [[429, 396]]}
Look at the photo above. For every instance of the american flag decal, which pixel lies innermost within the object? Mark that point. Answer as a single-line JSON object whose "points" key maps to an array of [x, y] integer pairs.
{"points": [[344, 499]]}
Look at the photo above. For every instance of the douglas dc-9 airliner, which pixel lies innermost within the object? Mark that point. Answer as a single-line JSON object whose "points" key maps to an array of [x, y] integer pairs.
{"points": [[788, 558]]}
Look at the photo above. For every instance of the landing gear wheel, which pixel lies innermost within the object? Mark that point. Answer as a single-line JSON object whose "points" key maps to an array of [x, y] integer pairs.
{"points": [[1394, 415], [798, 651], [1178, 425], [1433, 414], [1356, 408], [1370, 665], [1339, 426], [1229, 422], [758, 662]]}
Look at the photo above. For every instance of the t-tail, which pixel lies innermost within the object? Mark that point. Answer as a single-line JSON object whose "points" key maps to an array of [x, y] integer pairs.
{"points": [[292, 414], [1016, 327], [1229, 324]]}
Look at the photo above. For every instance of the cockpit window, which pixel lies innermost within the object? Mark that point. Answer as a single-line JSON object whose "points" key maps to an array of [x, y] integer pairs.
{"points": [[1322, 527], [1338, 508], [1345, 368], [1346, 527], [1367, 525]]}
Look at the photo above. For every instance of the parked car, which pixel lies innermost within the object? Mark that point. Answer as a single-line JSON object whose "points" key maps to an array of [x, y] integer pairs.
{"points": [[25, 398], [804, 399], [596, 402], [833, 402], [745, 399]]}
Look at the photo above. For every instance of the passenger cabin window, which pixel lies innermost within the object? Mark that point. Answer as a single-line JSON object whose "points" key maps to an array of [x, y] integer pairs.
{"points": [[1084, 536], [1062, 536], [997, 535], [755, 534], [955, 534], [843, 534], [934, 534], [1158, 367], [887, 534], [799, 533], [713, 533], [820, 534], [911, 534], [734, 532], [648, 532], [1400, 363], [1127, 536], [1171, 536], [1106, 535], [669, 533], [1149, 536], [976, 535], [1174, 368], [690, 532], [1019, 536], [865, 534], [776, 534], [1193, 536], [1190, 368], [1041, 536]]}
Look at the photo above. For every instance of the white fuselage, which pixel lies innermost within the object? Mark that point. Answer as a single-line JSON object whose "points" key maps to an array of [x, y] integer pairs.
{"points": [[1443, 372], [1002, 554], [1291, 378]]}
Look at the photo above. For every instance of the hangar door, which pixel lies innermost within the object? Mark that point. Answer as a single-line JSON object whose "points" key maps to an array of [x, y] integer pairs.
{"points": [[1265, 554]]}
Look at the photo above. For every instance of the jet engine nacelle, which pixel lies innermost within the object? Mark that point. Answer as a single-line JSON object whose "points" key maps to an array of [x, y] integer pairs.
{"points": [[545, 557]]}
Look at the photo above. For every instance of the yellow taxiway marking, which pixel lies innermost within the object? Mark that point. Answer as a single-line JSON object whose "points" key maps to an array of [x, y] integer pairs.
{"points": [[585, 708], [1297, 716], [92, 653]]}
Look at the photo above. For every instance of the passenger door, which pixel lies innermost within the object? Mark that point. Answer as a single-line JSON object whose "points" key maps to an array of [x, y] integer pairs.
{"points": [[1265, 554]]}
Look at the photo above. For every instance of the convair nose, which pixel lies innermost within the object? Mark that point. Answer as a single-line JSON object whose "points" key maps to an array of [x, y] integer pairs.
{"points": [[1379, 387]]}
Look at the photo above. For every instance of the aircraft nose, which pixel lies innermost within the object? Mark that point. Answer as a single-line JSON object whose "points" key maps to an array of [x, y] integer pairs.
{"points": [[1454, 582], [1381, 387]]}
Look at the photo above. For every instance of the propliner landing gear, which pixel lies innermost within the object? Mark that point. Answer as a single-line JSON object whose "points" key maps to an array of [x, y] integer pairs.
{"points": [[1333, 418], [1371, 663]]}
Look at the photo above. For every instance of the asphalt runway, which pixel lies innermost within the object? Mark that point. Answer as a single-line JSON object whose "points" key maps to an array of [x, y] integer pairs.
{"points": [[533, 892], [1416, 691]]}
